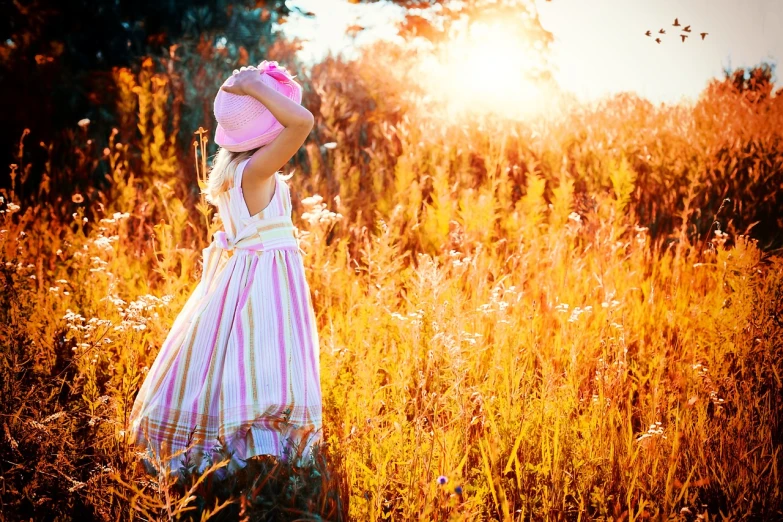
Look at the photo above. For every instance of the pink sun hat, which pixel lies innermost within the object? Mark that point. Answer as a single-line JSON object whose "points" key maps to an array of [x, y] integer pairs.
{"points": [[244, 123]]}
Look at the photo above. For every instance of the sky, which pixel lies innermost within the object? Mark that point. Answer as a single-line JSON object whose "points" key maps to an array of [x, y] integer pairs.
{"points": [[600, 47]]}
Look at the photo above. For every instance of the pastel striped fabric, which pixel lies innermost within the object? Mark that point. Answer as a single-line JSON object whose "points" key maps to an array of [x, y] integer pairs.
{"points": [[241, 360]]}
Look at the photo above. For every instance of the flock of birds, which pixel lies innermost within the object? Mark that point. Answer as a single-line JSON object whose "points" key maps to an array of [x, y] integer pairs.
{"points": [[686, 29]]}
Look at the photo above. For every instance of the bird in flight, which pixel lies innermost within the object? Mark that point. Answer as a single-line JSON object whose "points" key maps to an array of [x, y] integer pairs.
{"points": [[662, 31], [676, 23], [683, 36], [658, 40], [648, 33], [687, 28], [703, 35]]}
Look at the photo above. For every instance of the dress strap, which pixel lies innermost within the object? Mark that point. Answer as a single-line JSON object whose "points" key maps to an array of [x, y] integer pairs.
{"points": [[239, 171], [286, 198]]}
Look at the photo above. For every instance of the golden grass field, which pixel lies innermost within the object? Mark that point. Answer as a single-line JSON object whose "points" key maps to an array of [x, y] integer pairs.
{"points": [[554, 316]]}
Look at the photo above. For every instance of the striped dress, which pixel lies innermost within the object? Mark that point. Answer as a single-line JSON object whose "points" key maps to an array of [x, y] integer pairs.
{"points": [[241, 361]]}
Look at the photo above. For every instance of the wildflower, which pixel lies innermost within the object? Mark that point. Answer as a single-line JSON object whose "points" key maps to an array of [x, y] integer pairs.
{"points": [[84, 122], [313, 200], [655, 429], [576, 312], [77, 198], [330, 145], [316, 211], [458, 490], [106, 151], [442, 480], [104, 242]]}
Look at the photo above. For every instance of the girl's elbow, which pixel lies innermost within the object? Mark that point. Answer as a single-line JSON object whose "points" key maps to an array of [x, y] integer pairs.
{"points": [[303, 123], [308, 120]]}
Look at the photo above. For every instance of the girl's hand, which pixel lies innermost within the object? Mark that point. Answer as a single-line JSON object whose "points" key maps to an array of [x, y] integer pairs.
{"points": [[241, 80]]}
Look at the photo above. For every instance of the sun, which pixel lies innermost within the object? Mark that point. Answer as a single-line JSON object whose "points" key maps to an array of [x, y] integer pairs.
{"points": [[488, 67]]}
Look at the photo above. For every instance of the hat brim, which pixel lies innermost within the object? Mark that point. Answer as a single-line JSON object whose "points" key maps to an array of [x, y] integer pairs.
{"points": [[224, 139], [228, 142]]}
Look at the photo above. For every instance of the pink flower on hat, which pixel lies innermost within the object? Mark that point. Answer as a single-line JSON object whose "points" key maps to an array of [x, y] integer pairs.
{"points": [[243, 122], [275, 71]]}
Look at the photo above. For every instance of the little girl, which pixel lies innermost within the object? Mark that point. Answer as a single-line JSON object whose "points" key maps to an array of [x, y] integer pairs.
{"points": [[242, 360]]}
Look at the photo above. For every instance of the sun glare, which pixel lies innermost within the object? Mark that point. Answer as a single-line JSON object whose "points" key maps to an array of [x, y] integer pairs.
{"points": [[487, 68]]}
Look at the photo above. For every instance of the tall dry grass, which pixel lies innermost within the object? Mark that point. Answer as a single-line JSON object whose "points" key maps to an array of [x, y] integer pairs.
{"points": [[542, 320]]}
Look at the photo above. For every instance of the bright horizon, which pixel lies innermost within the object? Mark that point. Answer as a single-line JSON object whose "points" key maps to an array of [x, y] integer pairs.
{"points": [[599, 46]]}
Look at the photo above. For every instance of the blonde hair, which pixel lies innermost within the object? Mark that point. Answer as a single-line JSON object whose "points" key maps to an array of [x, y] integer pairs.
{"points": [[224, 165]]}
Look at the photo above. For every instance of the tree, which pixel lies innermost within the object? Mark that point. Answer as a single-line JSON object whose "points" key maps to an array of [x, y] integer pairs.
{"points": [[755, 83], [55, 56]]}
